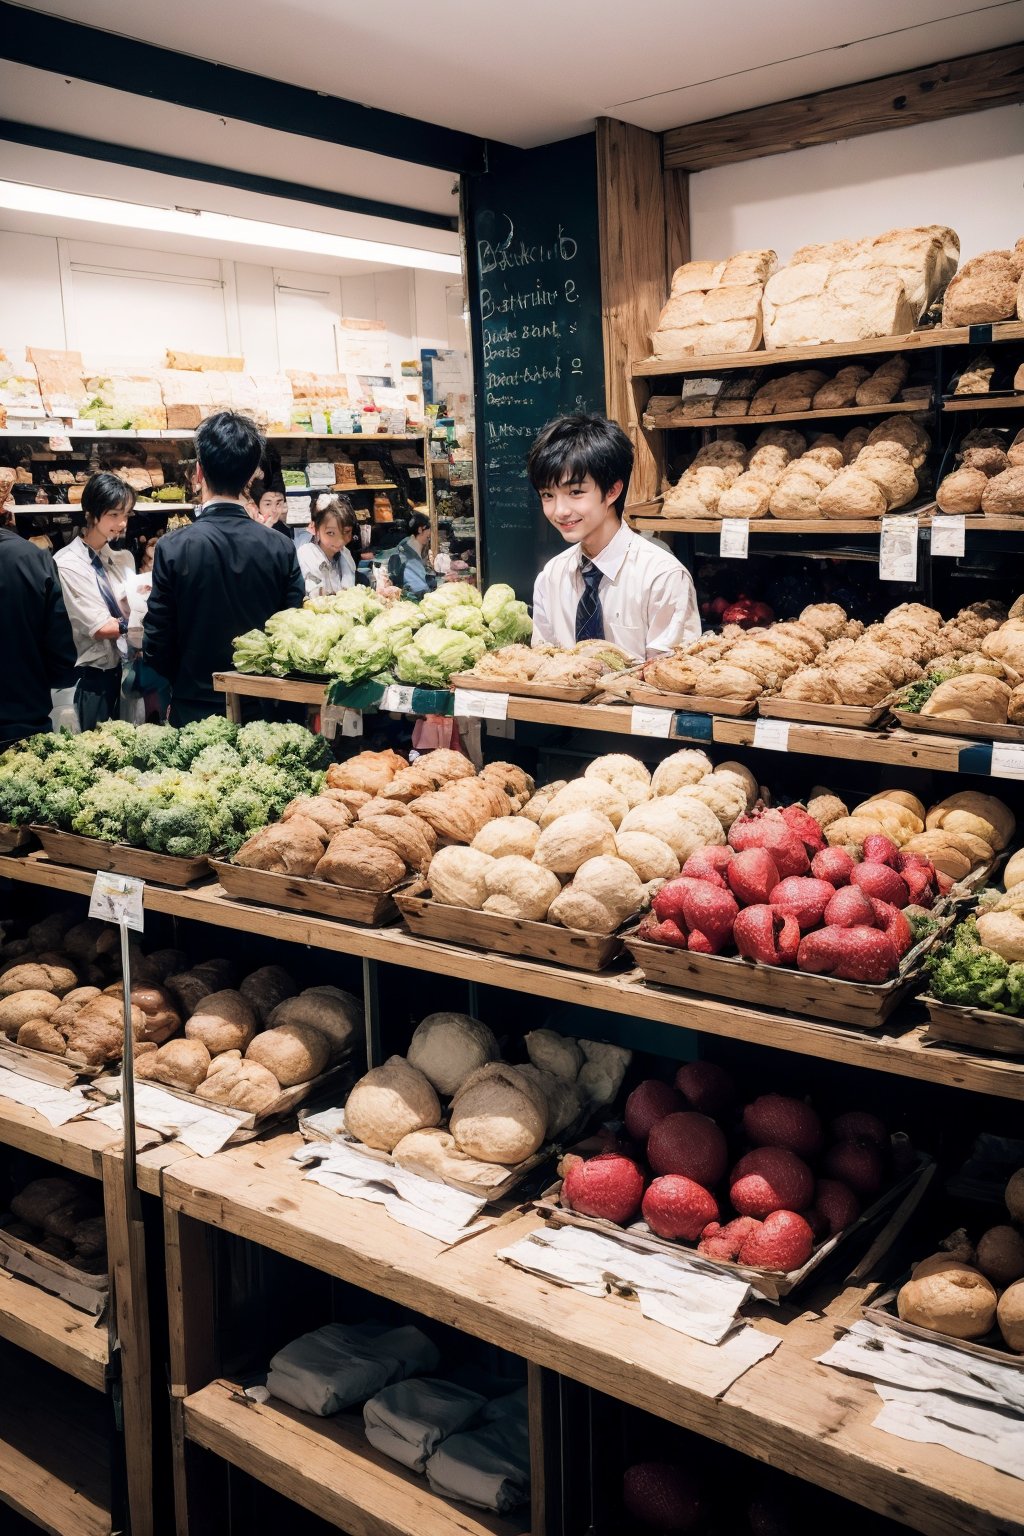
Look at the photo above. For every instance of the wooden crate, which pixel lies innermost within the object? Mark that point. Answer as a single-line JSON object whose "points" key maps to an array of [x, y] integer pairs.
{"points": [[978, 1028], [866, 1004], [855, 715], [880, 1224], [969, 730], [694, 703], [43, 1066], [560, 693], [883, 1310], [139, 863], [296, 894], [16, 839], [429, 919], [81, 1288]]}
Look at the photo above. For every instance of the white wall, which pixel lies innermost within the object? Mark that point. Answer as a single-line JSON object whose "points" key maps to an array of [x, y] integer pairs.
{"points": [[120, 304], [967, 172]]}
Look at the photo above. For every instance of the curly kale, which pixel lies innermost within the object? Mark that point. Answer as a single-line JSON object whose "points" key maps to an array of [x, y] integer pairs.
{"points": [[213, 731], [103, 810], [215, 761], [917, 695], [289, 746], [59, 804], [179, 829], [23, 781], [922, 922], [156, 746], [965, 972]]}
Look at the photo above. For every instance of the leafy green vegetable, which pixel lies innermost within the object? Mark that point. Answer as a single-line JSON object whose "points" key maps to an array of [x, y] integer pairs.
{"points": [[254, 653], [918, 694], [454, 594], [963, 971]]}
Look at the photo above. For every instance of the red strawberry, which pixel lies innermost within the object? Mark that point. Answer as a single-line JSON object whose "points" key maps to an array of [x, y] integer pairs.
{"points": [[783, 1242], [802, 897], [677, 1207], [690, 1144], [833, 865], [770, 1179], [607, 1186], [700, 866], [857, 1163], [836, 1205], [718, 1242], [893, 924], [850, 908], [879, 849], [751, 875], [705, 1086], [804, 825], [769, 937], [649, 1102], [881, 881]]}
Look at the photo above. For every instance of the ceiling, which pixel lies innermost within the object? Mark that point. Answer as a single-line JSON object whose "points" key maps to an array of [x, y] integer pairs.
{"points": [[536, 72]]}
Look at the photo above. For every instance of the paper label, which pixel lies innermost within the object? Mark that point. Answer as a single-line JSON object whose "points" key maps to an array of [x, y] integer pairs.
{"points": [[949, 535], [897, 558], [732, 543], [644, 721], [335, 718], [772, 735], [60, 444], [117, 899], [398, 697], [480, 704], [1007, 760]]}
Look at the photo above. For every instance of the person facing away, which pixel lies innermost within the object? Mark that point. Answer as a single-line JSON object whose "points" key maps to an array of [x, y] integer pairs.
{"points": [[326, 563], [95, 579], [220, 576], [609, 584], [35, 638], [408, 566]]}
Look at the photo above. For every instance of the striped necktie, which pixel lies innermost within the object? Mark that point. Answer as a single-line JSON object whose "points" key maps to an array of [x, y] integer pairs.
{"points": [[114, 608], [589, 618]]}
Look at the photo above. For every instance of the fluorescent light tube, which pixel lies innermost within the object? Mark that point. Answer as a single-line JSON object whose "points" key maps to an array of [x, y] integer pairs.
{"points": [[198, 224]]}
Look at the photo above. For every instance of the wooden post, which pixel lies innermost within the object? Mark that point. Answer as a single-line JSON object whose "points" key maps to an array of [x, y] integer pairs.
{"points": [[631, 215], [191, 1302], [126, 1251], [545, 1452]]}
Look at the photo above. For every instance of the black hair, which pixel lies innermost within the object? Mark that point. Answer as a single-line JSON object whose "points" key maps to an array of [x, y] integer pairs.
{"points": [[339, 507], [572, 447], [417, 522], [262, 486], [106, 493], [229, 447]]}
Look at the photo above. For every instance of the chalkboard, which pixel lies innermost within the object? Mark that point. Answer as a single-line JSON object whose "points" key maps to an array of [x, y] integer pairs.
{"points": [[538, 352]]}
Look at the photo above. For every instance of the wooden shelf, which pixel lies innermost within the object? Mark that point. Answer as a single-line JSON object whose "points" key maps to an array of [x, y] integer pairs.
{"points": [[900, 1049], [916, 341], [53, 1330], [982, 403], [54, 1453], [915, 407], [643, 517], [780, 1411], [328, 1466]]}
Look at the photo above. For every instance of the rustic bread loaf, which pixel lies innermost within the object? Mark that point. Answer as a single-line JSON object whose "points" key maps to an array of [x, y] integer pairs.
{"points": [[984, 290], [814, 301], [961, 491], [1004, 493]]}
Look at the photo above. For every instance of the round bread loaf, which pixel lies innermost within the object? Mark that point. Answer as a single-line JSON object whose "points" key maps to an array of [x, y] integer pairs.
{"points": [[448, 1047], [295, 1053]]}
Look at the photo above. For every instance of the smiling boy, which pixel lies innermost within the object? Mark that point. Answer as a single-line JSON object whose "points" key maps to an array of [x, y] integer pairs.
{"points": [[610, 584]]}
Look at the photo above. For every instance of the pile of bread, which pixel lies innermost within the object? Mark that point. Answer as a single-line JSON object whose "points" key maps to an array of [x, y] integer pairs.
{"points": [[578, 666], [990, 476], [63, 1218], [798, 391], [590, 853], [715, 306], [865, 474], [452, 1108], [965, 1290], [378, 818], [988, 683], [962, 833], [987, 289]]}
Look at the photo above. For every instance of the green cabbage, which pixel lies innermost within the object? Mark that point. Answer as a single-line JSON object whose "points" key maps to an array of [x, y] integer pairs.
{"points": [[466, 618], [359, 654], [495, 599], [253, 653], [356, 603], [435, 653], [407, 617], [511, 624], [454, 594]]}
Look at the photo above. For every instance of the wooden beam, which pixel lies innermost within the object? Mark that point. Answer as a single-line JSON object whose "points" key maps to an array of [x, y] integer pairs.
{"points": [[967, 84], [677, 221], [631, 217]]}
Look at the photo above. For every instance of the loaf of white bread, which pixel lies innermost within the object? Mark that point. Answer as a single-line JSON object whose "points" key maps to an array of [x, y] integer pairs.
{"points": [[715, 306]]}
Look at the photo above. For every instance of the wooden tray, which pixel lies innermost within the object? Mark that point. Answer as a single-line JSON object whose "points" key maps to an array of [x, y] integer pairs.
{"points": [[867, 1004], [695, 703], [250, 1124], [140, 863], [558, 692], [81, 1287], [507, 935], [16, 839], [296, 894], [978, 1028], [44, 1067], [970, 730], [883, 1221], [883, 1310], [855, 715]]}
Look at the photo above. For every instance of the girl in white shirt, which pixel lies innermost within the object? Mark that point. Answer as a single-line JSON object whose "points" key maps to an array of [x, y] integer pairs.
{"points": [[325, 562], [94, 580]]}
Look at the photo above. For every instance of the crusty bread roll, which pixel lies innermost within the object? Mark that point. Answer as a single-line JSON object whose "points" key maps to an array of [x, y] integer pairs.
{"points": [[949, 1297]]}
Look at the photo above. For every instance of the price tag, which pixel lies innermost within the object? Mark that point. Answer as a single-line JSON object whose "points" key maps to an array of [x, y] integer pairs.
{"points": [[59, 443], [398, 696], [644, 721], [732, 544], [1007, 760], [772, 735], [117, 899], [897, 558], [480, 704], [949, 535], [335, 718]]}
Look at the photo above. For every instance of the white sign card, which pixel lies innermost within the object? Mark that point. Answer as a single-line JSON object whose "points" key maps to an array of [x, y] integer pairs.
{"points": [[480, 704], [644, 721], [897, 559], [117, 899], [949, 535], [1007, 760], [772, 735], [734, 538], [397, 697]]}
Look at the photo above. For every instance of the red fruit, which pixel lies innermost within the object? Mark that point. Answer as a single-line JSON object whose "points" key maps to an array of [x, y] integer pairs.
{"points": [[920, 886], [904, 861], [663, 1496], [879, 849], [690, 1144], [770, 937], [668, 932], [677, 1207], [817, 1222], [784, 1242], [718, 1242], [706, 910], [860, 1125], [804, 825], [608, 1186], [774, 1120], [851, 954], [893, 924], [751, 875], [770, 1179], [881, 881], [850, 908], [833, 865], [857, 1163], [705, 1086], [944, 882], [802, 897], [836, 1205], [703, 866], [649, 1102], [769, 830]]}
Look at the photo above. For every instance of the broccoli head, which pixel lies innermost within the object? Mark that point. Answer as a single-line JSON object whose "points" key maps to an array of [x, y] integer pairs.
{"points": [[156, 746], [291, 746], [965, 972], [23, 781], [178, 829], [103, 810], [213, 731]]}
